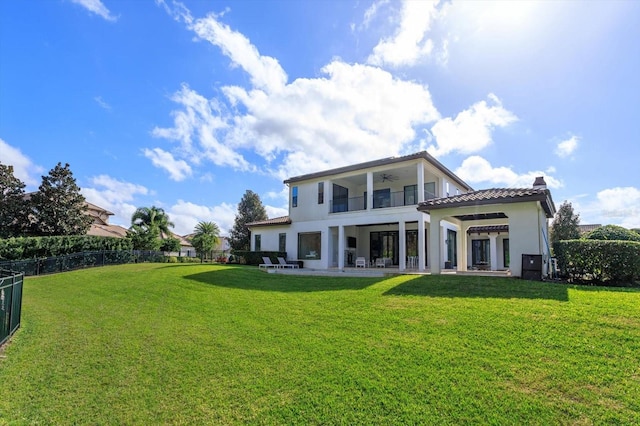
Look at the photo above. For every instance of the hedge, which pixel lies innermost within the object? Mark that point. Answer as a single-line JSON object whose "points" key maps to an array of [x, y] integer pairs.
{"points": [[599, 261], [255, 257], [30, 247]]}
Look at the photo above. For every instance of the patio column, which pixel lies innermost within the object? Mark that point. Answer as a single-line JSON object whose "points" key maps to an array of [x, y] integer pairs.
{"points": [[420, 171], [463, 249], [422, 255], [435, 246], [403, 246], [369, 200], [341, 247], [493, 252]]}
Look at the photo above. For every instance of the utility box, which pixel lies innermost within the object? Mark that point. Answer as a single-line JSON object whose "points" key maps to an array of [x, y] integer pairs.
{"points": [[531, 267]]}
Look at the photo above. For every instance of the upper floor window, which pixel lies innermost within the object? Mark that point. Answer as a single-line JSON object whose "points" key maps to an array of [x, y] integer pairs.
{"points": [[320, 192], [294, 196], [382, 198], [410, 195], [429, 190]]}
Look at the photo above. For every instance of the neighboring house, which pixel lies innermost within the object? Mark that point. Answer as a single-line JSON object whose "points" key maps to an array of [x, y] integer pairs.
{"points": [[188, 250], [100, 226], [585, 229], [408, 212]]}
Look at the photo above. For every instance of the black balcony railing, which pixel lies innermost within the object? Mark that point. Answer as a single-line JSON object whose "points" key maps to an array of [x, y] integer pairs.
{"points": [[392, 199], [340, 205]]}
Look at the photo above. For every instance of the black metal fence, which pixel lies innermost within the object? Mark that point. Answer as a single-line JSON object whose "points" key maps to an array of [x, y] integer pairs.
{"points": [[10, 303], [82, 260]]}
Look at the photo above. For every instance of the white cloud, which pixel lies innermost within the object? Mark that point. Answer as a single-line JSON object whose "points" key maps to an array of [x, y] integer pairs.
{"points": [[370, 14], [23, 167], [102, 103], [115, 196], [97, 7], [351, 114], [567, 147], [476, 169], [620, 206], [265, 71], [203, 119], [186, 215], [357, 113], [409, 43], [471, 130], [178, 169], [611, 206]]}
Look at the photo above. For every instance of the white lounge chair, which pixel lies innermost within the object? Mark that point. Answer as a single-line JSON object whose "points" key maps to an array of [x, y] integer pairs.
{"points": [[284, 264], [267, 263], [361, 262]]}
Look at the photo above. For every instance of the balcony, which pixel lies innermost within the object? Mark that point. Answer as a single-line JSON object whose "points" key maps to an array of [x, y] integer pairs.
{"points": [[381, 199], [340, 205]]}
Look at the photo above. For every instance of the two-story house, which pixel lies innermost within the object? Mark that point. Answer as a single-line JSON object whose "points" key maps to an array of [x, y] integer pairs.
{"points": [[408, 212]]}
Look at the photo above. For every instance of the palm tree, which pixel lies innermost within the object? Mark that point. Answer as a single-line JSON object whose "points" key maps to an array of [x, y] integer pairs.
{"points": [[147, 224], [152, 218], [205, 238]]}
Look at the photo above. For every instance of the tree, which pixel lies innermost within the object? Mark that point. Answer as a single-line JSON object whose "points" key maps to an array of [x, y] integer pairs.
{"points": [[205, 238], [14, 215], [250, 210], [170, 244], [565, 224], [58, 207], [149, 225], [144, 238], [612, 233]]}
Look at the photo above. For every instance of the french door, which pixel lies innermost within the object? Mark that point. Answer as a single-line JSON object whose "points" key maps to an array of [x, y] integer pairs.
{"points": [[384, 244]]}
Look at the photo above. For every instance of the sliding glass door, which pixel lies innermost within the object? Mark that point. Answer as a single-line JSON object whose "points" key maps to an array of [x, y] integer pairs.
{"points": [[384, 244]]}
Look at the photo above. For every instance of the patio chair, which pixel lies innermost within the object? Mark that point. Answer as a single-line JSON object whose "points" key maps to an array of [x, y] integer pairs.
{"points": [[380, 263], [267, 263], [361, 262], [283, 263]]}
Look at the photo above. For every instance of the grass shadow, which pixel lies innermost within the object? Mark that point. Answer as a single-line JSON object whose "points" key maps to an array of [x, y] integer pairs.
{"points": [[247, 278], [480, 287]]}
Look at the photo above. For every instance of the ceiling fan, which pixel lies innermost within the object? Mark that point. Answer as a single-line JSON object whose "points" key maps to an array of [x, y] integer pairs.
{"points": [[384, 177]]}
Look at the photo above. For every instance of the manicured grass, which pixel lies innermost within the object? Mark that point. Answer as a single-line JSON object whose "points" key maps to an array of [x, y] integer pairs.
{"points": [[202, 344]]}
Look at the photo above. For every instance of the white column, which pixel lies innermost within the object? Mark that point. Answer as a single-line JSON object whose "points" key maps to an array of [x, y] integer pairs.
{"points": [[328, 194], [341, 247], [369, 190], [493, 252], [435, 237], [403, 245], [420, 171], [463, 249], [421, 244]]}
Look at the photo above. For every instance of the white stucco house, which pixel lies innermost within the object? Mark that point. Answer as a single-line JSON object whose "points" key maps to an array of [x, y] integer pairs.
{"points": [[409, 213]]}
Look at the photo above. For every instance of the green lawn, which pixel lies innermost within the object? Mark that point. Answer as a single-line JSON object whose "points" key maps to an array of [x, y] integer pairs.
{"points": [[202, 344]]}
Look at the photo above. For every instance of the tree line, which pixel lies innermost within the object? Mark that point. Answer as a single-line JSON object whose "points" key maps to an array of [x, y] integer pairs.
{"points": [[58, 208]]}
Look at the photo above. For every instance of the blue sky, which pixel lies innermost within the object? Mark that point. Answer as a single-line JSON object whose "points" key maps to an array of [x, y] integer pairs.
{"points": [[187, 105]]}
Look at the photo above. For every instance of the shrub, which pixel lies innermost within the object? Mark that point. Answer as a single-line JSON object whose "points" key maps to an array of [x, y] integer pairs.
{"points": [[30, 247], [255, 257], [172, 259], [612, 233], [600, 261]]}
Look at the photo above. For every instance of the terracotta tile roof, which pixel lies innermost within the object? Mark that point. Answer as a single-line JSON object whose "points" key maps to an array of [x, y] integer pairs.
{"points": [[284, 220], [101, 230], [492, 196]]}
